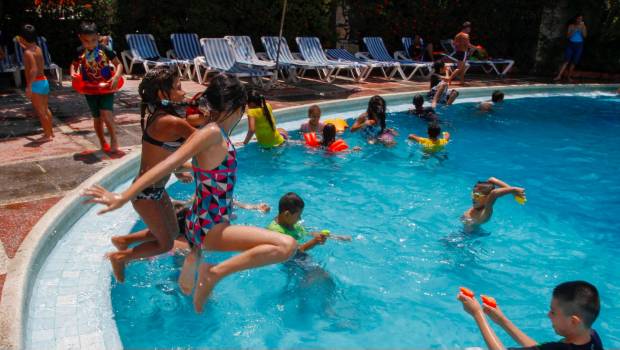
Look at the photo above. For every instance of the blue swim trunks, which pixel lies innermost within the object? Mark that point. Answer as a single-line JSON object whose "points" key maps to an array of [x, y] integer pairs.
{"points": [[40, 86]]}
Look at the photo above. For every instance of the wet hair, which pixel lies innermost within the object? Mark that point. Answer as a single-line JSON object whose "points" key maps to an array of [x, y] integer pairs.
{"points": [[376, 110], [225, 94], [314, 108], [291, 202], [257, 98], [434, 130], [157, 79], [438, 65], [87, 28], [329, 135], [497, 96], [484, 186], [28, 33], [466, 24], [418, 100], [578, 298]]}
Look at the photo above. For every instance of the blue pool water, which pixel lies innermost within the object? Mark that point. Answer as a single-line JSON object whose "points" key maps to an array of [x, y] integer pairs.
{"points": [[394, 285]]}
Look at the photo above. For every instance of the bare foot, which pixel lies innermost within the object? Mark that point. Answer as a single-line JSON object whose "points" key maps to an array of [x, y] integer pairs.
{"points": [[43, 139], [118, 243], [206, 281], [118, 267], [187, 279]]}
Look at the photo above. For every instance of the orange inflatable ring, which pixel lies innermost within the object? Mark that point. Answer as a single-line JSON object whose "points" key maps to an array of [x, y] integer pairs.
{"points": [[311, 140], [89, 88], [338, 146]]}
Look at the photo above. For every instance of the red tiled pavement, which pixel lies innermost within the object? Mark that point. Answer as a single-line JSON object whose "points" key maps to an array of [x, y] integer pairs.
{"points": [[18, 219]]}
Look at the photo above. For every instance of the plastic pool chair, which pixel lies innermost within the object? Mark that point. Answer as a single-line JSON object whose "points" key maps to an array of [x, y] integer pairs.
{"points": [[245, 54], [312, 51], [377, 51], [8, 66], [296, 66], [220, 57], [342, 54], [488, 66], [186, 49], [143, 50], [47, 58]]}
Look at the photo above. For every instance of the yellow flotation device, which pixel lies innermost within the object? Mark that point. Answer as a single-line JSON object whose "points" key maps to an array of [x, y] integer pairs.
{"points": [[340, 124], [435, 146], [520, 199]]}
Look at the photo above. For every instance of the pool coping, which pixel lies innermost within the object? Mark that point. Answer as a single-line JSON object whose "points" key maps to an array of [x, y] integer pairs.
{"points": [[41, 240]]}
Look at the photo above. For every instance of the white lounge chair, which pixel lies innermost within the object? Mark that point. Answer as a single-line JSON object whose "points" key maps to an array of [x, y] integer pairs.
{"points": [[377, 51], [186, 48], [342, 54], [488, 66], [312, 51], [286, 60], [143, 50], [220, 57]]}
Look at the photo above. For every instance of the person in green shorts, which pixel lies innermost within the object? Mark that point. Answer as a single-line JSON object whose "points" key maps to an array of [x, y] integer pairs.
{"points": [[99, 64]]}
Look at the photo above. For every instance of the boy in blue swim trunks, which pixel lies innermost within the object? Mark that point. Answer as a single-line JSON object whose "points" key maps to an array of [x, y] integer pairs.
{"points": [[37, 86], [574, 308], [290, 208], [93, 63]]}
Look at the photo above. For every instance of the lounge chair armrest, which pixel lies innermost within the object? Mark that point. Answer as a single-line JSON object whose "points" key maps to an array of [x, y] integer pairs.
{"points": [[363, 55], [297, 56], [262, 56], [171, 54], [400, 55]]}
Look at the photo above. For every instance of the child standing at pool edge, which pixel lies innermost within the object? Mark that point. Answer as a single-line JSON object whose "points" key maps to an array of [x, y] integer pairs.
{"points": [[37, 86], [93, 63], [484, 195], [574, 308]]}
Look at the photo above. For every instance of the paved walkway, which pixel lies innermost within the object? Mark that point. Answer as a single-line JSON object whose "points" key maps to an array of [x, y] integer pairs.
{"points": [[34, 177]]}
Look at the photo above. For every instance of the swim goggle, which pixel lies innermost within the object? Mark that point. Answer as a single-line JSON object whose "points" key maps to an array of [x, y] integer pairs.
{"points": [[478, 195]]}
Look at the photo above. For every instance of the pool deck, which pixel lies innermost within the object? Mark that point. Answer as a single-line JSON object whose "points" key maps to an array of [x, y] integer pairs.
{"points": [[35, 177]]}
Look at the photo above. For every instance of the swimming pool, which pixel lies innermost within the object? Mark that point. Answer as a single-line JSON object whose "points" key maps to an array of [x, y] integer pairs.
{"points": [[394, 285]]}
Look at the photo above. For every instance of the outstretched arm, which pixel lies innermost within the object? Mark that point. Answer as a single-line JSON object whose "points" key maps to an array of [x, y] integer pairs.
{"points": [[196, 143], [251, 129], [497, 182], [414, 137], [472, 307], [496, 314], [500, 192]]}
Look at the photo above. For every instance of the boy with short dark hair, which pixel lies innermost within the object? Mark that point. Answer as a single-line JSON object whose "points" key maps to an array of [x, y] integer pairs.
{"points": [[290, 209], [93, 63], [484, 195], [433, 143], [424, 113], [574, 308], [37, 86], [496, 97]]}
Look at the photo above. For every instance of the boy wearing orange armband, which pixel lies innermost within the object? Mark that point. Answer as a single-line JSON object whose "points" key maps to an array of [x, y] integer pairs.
{"points": [[574, 308]]}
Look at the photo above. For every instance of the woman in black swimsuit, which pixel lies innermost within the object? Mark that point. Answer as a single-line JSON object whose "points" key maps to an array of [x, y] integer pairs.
{"points": [[163, 131]]}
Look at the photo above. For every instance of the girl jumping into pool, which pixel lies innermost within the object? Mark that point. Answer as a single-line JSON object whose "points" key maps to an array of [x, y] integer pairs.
{"points": [[163, 131], [214, 162], [372, 123], [262, 122]]}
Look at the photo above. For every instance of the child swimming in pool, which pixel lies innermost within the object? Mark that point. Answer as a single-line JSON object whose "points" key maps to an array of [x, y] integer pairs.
{"points": [[575, 306], [425, 113], [484, 195], [314, 124], [262, 122], [290, 208], [433, 143], [496, 97], [372, 123]]}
